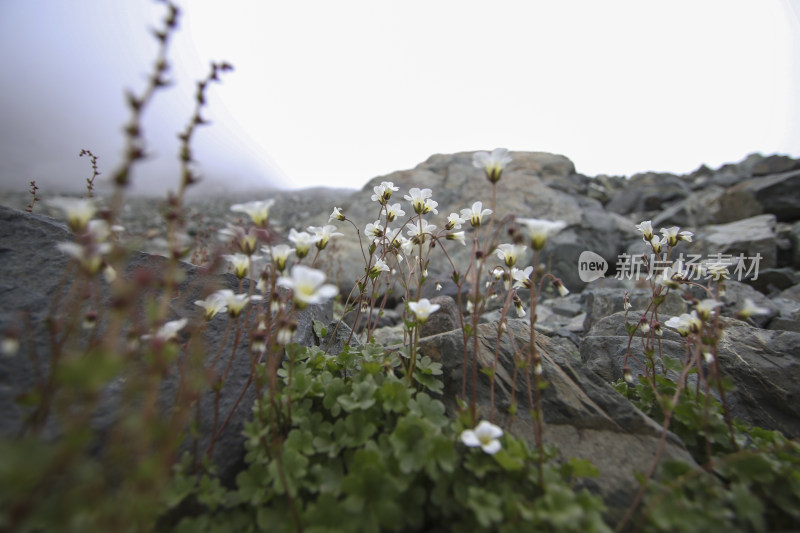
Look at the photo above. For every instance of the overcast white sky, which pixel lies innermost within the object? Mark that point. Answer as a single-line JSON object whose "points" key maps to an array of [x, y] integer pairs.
{"points": [[335, 93]]}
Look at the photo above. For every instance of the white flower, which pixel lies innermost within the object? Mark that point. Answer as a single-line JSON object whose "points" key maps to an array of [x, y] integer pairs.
{"points": [[302, 242], [407, 246], [323, 234], [375, 229], [280, 254], [235, 302], [458, 236], [284, 336], [77, 210], [454, 221], [475, 214], [627, 375], [562, 289], [674, 234], [706, 307], [240, 264], [670, 235], [168, 331], [417, 232], [90, 256], [484, 435], [430, 206], [419, 198], [393, 211], [538, 230], [493, 164], [379, 266], [308, 286], [336, 215], [245, 241], [685, 324], [518, 307], [257, 210], [213, 304], [646, 228], [750, 308], [9, 345], [383, 192], [98, 230], [657, 244], [423, 309], [395, 237], [109, 273], [508, 253], [522, 278]]}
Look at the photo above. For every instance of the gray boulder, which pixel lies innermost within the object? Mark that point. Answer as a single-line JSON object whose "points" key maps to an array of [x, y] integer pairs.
{"points": [[698, 209], [523, 191], [771, 281], [34, 274], [794, 239], [763, 365], [788, 315], [751, 237], [649, 192], [774, 164], [584, 416], [603, 302], [778, 194]]}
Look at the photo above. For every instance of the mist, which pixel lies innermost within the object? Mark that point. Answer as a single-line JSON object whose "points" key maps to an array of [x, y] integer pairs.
{"points": [[334, 94]]}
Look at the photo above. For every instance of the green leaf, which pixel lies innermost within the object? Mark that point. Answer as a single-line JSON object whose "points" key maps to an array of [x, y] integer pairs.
{"points": [[748, 507], [328, 476], [336, 388], [394, 396], [358, 428], [578, 467], [429, 409], [362, 396], [300, 441], [427, 365], [673, 364], [252, 483], [320, 330], [410, 443], [508, 461], [486, 505], [274, 518], [443, 451], [755, 467], [294, 467]]}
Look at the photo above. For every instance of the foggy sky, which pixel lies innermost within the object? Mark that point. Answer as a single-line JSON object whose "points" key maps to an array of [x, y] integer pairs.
{"points": [[335, 93]]}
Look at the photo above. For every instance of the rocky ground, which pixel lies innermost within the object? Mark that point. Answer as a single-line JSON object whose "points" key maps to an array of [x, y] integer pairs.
{"points": [[143, 215], [750, 210]]}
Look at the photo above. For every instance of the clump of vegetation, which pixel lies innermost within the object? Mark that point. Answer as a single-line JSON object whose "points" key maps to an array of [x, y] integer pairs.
{"points": [[355, 439]]}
